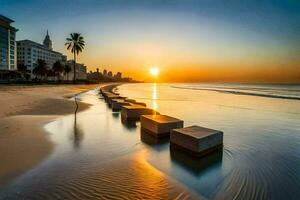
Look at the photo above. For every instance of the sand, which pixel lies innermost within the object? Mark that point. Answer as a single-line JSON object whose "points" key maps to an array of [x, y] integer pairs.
{"points": [[24, 144], [24, 110]]}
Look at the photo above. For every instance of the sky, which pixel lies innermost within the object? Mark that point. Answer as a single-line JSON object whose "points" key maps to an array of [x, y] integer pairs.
{"points": [[188, 40]]}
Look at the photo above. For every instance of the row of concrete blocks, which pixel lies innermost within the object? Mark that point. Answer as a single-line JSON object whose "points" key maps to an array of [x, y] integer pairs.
{"points": [[196, 140]]}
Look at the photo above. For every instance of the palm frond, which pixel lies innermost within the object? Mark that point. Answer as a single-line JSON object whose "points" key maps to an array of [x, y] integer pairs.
{"points": [[75, 43]]}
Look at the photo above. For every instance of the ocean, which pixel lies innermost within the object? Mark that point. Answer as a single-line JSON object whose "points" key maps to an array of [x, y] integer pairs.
{"points": [[261, 125], [96, 156]]}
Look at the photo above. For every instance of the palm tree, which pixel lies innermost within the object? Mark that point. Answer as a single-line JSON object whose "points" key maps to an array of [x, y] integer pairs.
{"points": [[67, 69], [57, 69], [41, 68], [75, 43], [22, 69]]}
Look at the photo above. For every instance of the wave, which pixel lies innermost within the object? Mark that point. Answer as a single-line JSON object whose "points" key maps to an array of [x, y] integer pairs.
{"points": [[241, 93]]}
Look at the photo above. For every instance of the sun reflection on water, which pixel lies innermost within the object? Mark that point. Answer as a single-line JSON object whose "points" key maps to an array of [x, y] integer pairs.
{"points": [[154, 96]]}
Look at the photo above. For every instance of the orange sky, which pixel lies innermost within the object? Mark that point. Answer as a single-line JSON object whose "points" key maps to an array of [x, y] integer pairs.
{"points": [[244, 41], [184, 67]]}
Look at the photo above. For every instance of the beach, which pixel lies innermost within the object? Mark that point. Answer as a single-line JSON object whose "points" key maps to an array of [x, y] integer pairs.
{"points": [[24, 110], [44, 146], [94, 155]]}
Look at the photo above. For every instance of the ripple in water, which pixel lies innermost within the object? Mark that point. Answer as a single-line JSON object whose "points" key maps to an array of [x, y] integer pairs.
{"points": [[106, 159]]}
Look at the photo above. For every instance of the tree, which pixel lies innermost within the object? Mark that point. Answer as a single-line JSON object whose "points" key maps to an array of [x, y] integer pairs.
{"points": [[57, 68], [50, 73], [67, 69], [23, 69], [75, 43], [41, 68]]}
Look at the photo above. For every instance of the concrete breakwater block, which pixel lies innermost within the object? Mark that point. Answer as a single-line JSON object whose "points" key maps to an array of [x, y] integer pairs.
{"points": [[130, 100], [107, 94], [103, 90], [133, 101], [109, 99], [117, 104], [140, 104], [160, 125], [134, 112], [197, 140], [117, 100]]}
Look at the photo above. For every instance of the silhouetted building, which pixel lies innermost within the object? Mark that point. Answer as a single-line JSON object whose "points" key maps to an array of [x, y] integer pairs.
{"points": [[47, 42], [105, 72], [118, 76], [128, 79], [8, 60], [80, 70], [110, 74], [95, 76]]}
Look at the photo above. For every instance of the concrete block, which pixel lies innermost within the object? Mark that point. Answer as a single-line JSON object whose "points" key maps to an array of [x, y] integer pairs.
{"points": [[111, 97], [130, 100], [116, 104], [107, 94], [160, 125], [197, 140], [140, 103], [134, 112]]}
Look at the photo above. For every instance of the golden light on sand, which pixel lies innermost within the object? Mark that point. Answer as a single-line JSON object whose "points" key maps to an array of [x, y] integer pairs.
{"points": [[154, 71]]}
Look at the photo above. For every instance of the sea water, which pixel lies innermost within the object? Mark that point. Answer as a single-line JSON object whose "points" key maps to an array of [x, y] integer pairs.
{"points": [[260, 158]]}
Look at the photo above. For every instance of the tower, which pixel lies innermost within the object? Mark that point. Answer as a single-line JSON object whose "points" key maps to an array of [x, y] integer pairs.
{"points": [[47, 42]]}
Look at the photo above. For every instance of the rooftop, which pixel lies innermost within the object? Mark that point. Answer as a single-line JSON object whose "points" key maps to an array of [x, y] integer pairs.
{"points": [[37, 45], [6, 19], [5, 22]]}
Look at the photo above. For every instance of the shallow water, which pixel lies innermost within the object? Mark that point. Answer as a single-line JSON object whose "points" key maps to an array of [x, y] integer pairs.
{"points": [[96, 156], [261, 156]]}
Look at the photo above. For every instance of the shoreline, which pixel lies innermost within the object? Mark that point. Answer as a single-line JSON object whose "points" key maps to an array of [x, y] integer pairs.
{"points": [[25, 110], [36, 147], [126, 175]]}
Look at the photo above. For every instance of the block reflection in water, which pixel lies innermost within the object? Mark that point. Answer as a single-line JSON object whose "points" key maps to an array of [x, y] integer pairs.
{"points": [[196, 165], [129, 124], [151, 140]]}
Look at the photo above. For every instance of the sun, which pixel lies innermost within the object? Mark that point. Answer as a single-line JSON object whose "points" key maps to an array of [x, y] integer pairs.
{"points": [[154, 71]]}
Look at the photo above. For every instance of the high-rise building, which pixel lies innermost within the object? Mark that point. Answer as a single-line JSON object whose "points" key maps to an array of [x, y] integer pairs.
{"points": [[29, 52], [118, 76], [104, 72], [8, 50]]}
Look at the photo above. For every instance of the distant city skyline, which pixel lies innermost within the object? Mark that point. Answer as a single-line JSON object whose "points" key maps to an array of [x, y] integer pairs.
{"points": [[218, 40]]}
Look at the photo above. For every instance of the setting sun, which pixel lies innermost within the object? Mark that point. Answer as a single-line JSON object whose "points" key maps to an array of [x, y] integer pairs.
{"points": [[154, 71]]}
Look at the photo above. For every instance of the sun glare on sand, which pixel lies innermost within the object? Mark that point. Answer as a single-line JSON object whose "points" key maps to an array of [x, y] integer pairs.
{"points": [[154, 71]]}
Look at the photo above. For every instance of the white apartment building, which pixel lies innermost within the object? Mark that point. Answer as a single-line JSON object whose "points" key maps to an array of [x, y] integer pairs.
{"points": [[28, 52]]}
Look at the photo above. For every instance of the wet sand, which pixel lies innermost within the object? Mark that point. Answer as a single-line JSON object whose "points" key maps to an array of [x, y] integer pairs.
{"points": [[109, 176], [24, 110]]}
